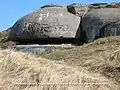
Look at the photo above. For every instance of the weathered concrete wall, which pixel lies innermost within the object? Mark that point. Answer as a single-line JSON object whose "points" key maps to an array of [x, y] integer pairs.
{"points": [[79, 9], [48, 22], [74, 24], [39, 49], [111, 29], [94, 20]]}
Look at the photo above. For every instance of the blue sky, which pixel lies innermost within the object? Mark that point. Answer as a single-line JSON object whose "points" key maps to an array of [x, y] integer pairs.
{"points": [[12, 10]]}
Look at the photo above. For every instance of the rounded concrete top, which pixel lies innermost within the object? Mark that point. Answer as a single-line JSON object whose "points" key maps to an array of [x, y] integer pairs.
{"points": [[50, 22]]}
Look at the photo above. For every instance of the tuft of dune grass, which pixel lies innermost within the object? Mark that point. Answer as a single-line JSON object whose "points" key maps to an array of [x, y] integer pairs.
{"points": [[4, 42]]}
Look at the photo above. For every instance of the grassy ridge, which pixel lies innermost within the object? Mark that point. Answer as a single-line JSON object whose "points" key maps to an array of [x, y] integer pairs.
{"points": [[17, 68], [95, 62], [101, 56]]}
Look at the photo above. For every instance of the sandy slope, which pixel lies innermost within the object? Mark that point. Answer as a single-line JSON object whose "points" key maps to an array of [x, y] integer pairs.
{"points": [[94, 66], [18, 68]]}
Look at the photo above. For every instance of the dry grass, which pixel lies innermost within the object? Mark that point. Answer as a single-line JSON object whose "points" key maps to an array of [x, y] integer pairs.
{"points": [[101, 56], [17, 68], [93, 66], [4, 42]]}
